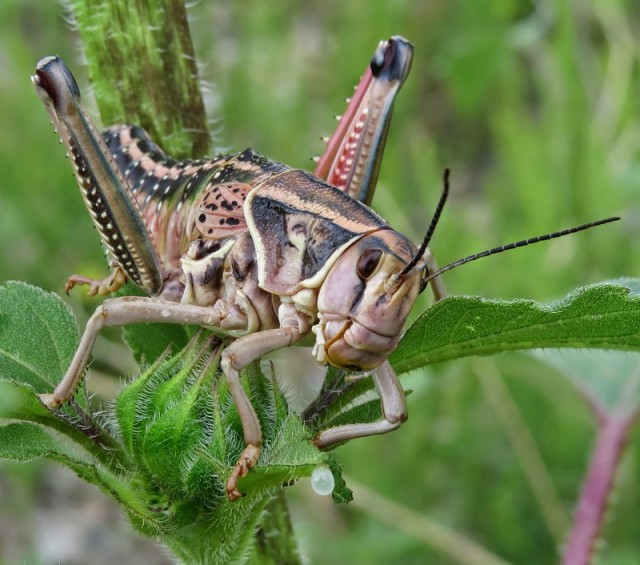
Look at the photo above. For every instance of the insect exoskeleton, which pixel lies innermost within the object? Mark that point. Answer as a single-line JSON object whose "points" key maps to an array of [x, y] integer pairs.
{"points": [[260, 252]]}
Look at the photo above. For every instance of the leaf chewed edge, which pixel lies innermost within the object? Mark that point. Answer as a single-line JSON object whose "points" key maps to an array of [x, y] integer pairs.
{"points": [[600, 316]]}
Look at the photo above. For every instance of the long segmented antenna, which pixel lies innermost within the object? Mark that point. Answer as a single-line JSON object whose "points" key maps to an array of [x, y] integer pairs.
{"points": [[515, 245], [432, 227]]}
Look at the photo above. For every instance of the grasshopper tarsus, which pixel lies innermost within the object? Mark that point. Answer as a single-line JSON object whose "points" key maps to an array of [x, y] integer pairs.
{"points": [[246, 462]]}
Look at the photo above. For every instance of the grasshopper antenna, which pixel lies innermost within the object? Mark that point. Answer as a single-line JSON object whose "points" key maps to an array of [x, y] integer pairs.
{"points": [[516, 244], [432, 228]]}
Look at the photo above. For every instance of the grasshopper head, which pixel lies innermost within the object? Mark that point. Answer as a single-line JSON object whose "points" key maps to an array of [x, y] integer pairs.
{"points": [[364, 301]]}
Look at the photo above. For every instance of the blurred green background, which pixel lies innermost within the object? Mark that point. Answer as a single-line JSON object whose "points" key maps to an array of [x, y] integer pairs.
{"points": [[534, 106]]}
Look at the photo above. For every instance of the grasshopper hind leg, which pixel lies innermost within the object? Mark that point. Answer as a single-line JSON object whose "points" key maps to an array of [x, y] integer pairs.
{"points": [[110, 201]]}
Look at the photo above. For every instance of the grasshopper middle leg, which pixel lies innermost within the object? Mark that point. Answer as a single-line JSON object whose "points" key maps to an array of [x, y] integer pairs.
{"points": [[234, 358]]}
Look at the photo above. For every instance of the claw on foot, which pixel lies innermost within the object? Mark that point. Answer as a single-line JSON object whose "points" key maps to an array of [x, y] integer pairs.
{"points": [[247, 461], [101, 287]]}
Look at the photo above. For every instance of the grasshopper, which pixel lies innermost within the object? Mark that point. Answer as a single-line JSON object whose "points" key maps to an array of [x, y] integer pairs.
{"points": [[254, 250]]}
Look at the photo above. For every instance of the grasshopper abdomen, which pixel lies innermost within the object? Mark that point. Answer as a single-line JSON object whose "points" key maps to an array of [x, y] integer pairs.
{"points": [[167, 189]]}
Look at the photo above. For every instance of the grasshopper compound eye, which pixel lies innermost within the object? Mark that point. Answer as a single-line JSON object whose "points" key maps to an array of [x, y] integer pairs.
{"points": [[368, 263]]}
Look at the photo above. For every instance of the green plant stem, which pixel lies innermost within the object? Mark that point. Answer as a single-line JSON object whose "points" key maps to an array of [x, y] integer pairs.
{"points": [[276, 543], [143, 70]]}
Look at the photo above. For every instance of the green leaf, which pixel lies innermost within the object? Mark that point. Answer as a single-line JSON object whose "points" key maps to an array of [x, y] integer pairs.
{"points": [[22, 441], [20, 402], [149, 341], [25, 441], [610, 379], [341, 494], [361, 413], [38, 336], [602, 316], [335, 397]]}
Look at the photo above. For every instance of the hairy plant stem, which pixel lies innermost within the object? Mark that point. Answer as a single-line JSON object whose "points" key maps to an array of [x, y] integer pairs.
{"points": [[143, 70], [612, 437], [276, 542]]}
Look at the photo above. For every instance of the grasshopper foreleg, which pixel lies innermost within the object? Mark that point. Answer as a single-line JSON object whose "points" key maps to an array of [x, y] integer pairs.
{"points": [[394, 410]]}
